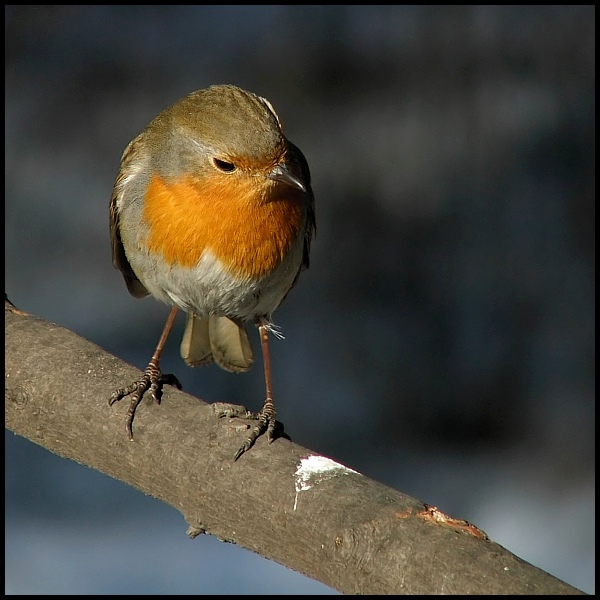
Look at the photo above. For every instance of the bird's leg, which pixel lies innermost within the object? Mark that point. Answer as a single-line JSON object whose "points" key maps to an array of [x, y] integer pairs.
{"points": [[152, 378], [266, 416]]}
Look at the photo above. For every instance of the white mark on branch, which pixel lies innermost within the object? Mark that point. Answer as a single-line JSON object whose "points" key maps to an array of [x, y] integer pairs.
{"points": [[315, 469]]}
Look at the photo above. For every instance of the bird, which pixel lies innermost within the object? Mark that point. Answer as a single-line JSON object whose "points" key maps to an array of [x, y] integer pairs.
{"points": [[212, 213]]}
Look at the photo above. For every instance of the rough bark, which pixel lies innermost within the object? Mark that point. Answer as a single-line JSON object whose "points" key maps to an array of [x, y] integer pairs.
{"points": [[340, 527]]}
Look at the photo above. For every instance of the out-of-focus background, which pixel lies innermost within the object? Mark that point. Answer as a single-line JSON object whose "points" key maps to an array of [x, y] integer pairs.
{"points": [[443, 340]]}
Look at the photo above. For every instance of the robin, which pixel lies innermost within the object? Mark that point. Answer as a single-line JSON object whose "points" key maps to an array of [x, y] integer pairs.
{"points": [[212, 213]]}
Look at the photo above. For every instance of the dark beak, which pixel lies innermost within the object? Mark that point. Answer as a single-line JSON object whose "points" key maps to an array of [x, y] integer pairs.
{"points": [[282, 174]]}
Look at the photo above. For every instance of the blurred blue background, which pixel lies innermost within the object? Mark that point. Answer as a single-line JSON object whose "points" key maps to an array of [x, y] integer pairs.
{"points": [[443, 340]]}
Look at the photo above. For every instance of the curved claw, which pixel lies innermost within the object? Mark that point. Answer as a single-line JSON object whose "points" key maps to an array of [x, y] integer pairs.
{"points": [[266, 422], [153, 380]]}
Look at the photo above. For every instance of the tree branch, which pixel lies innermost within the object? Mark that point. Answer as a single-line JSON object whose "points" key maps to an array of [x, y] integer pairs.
{"points": [[336, 526]]}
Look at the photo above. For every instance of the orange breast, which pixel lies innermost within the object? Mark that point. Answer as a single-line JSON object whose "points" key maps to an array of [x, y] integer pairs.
{"points": [[230, 215]]}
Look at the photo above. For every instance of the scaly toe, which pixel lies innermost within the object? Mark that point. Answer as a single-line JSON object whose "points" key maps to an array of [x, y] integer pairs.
{"points": [[266, 422]]}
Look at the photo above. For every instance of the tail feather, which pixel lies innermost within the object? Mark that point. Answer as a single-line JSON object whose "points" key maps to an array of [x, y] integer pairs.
{"points": [[195, 345], [230, 344], [216, 338]]}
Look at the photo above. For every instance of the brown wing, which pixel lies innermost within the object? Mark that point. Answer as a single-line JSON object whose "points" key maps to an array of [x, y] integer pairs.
{"points": [[119, 258], [298, 159], [311, 223], [311, 230]]}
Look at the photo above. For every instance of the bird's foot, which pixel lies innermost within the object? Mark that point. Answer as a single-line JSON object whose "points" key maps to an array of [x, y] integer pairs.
{"points": [[152, 380], [265, 422]]}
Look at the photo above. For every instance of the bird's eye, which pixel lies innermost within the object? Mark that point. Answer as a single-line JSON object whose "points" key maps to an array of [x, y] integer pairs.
{"points": [[223, 165]]}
